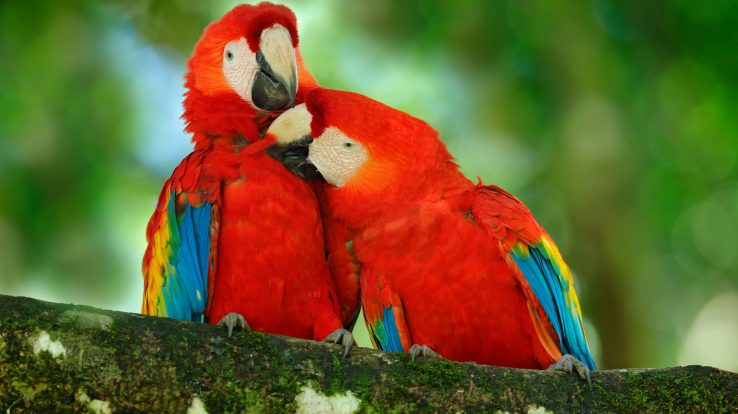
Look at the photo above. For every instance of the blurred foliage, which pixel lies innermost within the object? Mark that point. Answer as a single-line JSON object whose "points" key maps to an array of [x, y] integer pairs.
{"points": [[614, 121]]}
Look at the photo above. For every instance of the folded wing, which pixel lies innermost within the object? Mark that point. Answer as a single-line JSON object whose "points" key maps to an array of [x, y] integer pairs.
{"points": [[180, 260], [542, 272]]}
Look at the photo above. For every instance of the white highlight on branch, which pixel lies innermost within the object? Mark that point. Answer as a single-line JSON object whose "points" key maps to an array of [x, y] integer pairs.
{"points": [[310, 401], [43, 342], [197, 406], [99, 407], [94, 406]]}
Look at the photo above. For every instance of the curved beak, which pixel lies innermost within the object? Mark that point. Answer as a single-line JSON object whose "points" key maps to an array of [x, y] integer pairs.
{"points": [[291, 131], [275, 84], [292, 125]]}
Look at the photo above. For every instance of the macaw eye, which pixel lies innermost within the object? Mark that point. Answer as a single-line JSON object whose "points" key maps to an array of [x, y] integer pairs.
{"points": [[229, 55], [347, 145]]}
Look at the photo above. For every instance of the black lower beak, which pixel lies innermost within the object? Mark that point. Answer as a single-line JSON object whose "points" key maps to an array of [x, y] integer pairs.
{"points": [[294, 157], [270, 92]]}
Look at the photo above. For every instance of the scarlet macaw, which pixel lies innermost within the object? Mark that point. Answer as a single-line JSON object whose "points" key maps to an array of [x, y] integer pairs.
{"points": [[235, 235], [447, 266]]}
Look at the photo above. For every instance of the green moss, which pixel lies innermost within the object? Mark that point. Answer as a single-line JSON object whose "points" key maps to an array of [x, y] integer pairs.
{"points": [[634, 378], [88, 320], [252, 401], [161, 363], [29, 391], [441, 374]]}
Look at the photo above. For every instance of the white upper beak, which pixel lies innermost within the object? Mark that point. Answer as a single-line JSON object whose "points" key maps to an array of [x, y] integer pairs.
{"points": [[291, 125], [276, 45]]}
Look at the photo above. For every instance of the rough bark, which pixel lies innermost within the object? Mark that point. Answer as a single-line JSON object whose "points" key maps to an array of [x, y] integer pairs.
{"points": [[67, 358]]}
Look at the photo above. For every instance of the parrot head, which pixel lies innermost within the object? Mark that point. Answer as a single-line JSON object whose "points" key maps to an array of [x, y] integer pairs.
{"points": [[244, 68], [362, 148]]}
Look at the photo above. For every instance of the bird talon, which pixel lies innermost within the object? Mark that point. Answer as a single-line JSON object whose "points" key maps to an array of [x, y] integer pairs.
{"points": [[343, 337], [570, 364], [233, 320], [422, 350]]}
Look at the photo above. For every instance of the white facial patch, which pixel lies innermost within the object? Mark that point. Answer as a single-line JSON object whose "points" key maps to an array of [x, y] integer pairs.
{"points": [[337, 157], [240, 67]]}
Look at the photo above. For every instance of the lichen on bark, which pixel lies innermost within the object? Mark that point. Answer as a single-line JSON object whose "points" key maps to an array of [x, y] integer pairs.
{"points": [[119, 362]]}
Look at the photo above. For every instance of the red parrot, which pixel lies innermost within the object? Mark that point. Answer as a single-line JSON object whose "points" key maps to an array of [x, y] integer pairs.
{"points": [[447, 266], [236, 238]]}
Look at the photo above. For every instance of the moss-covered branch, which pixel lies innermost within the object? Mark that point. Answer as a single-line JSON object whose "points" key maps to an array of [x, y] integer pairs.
{"points": [[65, 358]]}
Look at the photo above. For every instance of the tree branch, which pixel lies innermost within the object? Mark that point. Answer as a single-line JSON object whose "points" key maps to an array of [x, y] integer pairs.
{"points": [[57, 358]]}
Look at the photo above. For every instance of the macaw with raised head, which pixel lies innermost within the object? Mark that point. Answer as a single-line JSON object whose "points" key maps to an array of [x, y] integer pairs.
{"points": [[447, 266], [236, 239]]}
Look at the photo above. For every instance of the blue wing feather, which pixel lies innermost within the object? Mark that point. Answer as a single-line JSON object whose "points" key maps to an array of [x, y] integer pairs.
{"points": [[392, 342], [384, 332], [185, 289], [548, 285]]}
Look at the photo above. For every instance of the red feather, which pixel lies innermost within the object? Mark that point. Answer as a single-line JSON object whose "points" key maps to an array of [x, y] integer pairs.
{"points": [[433, 247], [267, 260]]}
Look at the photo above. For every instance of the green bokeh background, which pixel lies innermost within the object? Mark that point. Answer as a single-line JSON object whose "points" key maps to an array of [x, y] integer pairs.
{"points": [[614, 121]]}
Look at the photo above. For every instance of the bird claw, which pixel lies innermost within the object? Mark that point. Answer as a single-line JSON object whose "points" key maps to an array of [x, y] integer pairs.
{"points": [[569, 364], [422, 350], [234, 320], [343, 337]]}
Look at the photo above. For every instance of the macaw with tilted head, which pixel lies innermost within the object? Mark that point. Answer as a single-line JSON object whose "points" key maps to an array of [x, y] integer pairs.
{"points": [[236, 239], [447, 266]]}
